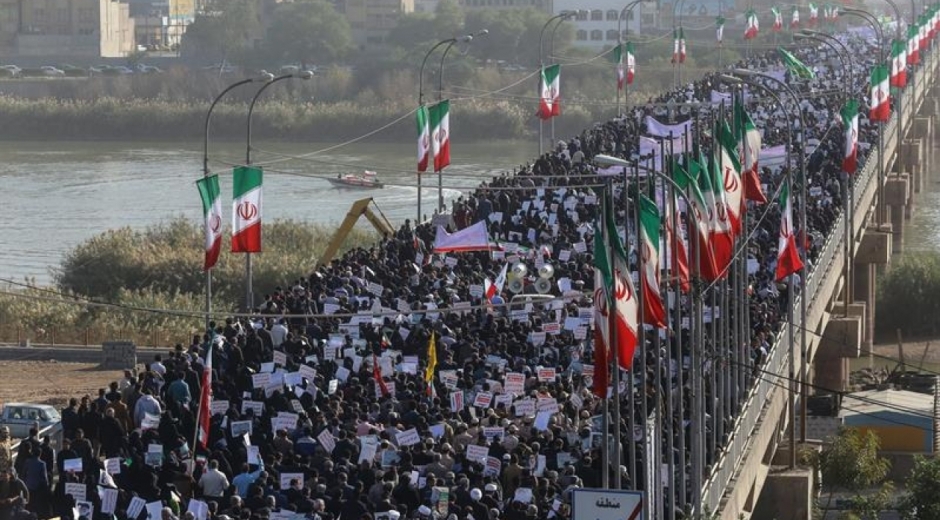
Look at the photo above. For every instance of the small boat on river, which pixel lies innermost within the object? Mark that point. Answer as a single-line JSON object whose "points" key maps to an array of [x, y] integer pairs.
{"points": [[366, 179]]}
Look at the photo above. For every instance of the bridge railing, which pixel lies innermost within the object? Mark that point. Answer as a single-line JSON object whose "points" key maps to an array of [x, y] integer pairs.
{"points": [[827, 266]]}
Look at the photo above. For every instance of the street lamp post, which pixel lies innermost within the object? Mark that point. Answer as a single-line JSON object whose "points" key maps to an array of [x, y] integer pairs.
{"points": [[440, 93], [557, 18], [846, 179], [306, 74], [870, 18], [799, 117], [624, 13], [264, 78]]}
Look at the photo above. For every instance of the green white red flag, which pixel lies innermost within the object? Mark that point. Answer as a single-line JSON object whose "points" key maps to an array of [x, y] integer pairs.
{"points": [[246, 209], [602, 303], [898, 64], [880, 103], [679, 250], [440, 134], [778, 19], [913, 48], [424, 138], [748, 146], [689, 180], [678, 45], [850, 127], [211, 197], [729, 186], [205, 401], [654, 312], [788, 257], [550, 92], [813, 13], [753, 25], [721, 237], [795, 18], [626, 64], [720, 29], [626, 314]]}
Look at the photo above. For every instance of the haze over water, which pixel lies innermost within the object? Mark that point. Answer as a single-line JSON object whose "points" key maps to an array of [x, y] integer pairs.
{"points": [[58, 194]]}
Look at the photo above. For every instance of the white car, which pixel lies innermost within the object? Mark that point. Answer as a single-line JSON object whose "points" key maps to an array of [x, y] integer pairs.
{"points": [[49, 70], [14, 70]]}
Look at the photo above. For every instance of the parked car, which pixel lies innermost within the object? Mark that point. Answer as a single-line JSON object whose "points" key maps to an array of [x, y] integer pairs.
{"points": [[72, 70], [148, 69], [98, 69], [20, 417], [49, 70], [220, 69], [13, 69], [118, 70]]}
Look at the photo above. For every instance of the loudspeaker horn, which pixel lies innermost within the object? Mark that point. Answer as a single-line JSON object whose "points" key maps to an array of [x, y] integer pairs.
{"points": [[516, 286], [543, 286]]}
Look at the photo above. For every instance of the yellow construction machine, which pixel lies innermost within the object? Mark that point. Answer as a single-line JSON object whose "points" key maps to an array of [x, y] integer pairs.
{"points": [[359, 208]]}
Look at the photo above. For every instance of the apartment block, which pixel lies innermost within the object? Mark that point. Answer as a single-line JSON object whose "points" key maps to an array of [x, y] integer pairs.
{"points": [[62, 28]]}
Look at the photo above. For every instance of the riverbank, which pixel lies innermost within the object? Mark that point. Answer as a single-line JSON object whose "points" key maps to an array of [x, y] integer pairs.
{"points": [[113, 119]]}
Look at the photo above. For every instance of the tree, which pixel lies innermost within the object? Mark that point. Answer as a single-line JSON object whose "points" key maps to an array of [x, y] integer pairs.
{"points": [[851, 463], [309, 32], [922, 501], [448, 19], [223, 29]]}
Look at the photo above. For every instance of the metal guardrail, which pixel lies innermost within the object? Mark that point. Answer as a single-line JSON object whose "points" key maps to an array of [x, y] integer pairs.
{"points": [[88, 336], [54, 433], [730, 460]]}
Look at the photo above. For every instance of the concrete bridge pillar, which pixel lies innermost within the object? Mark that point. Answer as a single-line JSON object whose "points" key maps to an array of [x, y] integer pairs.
{"points": [[897, 194], [874, 249]]}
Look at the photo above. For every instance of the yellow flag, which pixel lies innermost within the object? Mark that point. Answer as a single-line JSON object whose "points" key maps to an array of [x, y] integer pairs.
{"points": [[432, 361]]}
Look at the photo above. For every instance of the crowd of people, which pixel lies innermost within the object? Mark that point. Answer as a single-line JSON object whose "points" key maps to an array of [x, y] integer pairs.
{"points": [[333, 417]]}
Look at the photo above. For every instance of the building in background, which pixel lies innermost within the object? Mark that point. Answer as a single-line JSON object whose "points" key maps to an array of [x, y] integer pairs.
{"points": [[596, 28], [426, 6], [541, 5], [372, 20], [64, 28]]}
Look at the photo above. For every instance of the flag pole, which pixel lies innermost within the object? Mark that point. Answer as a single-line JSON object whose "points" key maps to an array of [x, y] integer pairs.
{"points": [[675, 355], [641, 333], [631, 400], [615, 354], [611, 346]]}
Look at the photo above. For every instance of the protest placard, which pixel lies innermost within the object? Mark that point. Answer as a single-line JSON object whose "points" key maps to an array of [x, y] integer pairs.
{"points": [[76, 490], [408, 437], [287, 477]]}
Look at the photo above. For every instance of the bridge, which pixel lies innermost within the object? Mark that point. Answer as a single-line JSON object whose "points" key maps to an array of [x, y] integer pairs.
{"points": [[839, 322]]}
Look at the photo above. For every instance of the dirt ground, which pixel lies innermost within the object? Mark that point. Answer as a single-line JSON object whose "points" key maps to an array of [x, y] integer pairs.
{"points": [[914, 351], [51, 382]]}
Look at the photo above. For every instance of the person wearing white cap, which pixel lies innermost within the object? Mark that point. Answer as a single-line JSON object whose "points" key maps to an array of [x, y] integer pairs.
{"points": [[394, 515], [424, 512]]}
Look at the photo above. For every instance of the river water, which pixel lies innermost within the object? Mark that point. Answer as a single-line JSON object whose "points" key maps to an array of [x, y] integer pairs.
{"points": [[55, 195]]}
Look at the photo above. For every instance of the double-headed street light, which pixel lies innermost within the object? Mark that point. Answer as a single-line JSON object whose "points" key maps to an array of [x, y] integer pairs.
{"points": [[304, 75], [264, 77], [559, 18]]}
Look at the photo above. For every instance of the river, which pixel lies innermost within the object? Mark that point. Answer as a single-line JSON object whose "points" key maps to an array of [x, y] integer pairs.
{"points": [[58, 194]]}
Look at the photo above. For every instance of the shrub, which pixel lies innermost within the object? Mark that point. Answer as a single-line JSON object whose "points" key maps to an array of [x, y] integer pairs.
{"points": [[909, 296]]}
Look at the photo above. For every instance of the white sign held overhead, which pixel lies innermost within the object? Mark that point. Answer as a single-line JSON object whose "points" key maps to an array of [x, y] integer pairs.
{"points": [[606, 504]]}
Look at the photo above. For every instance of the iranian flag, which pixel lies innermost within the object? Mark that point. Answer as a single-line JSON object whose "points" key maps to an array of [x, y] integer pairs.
{"points": [[729, 186], [850, 127], [898, 64], [625, 318], [440, 134], [246, 210], [720, 29], [795, 18], [688, 180], [602, 280], [788, 258], [748, 146], [778, 19], [679, 251], [377, 377], [626, 64], [922, 34], [913, 54], [492, 289], [550, 94], [654, 313], [424, 138], [813, 13], [205, 401], [210, 194], [753, 25], [880, 99], [678, 46], [721, 232]]}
